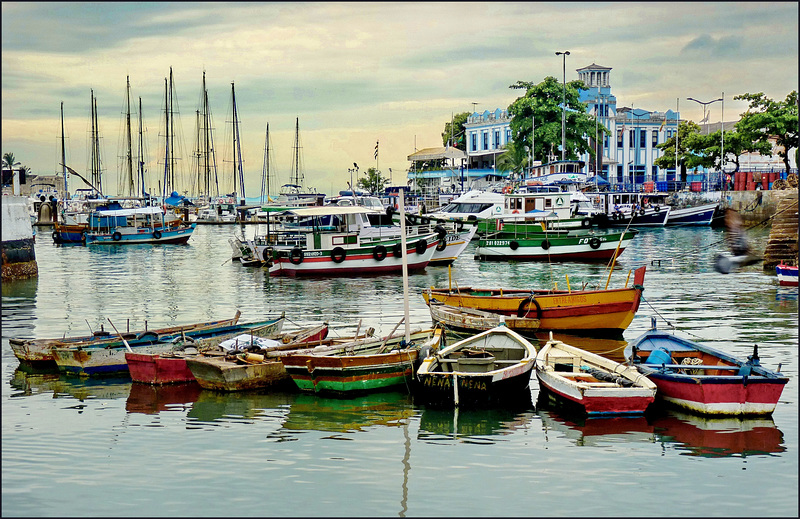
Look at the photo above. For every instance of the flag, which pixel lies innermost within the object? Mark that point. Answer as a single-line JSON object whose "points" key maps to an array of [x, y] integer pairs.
{"points": [[664, 122], [376, 150]]}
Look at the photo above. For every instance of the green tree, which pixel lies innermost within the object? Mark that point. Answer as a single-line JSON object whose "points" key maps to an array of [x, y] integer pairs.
{"points": [[514, 159], [689, 139], [458, 132], [373, 182], [9, 161], [766, 118], [543, 102]]}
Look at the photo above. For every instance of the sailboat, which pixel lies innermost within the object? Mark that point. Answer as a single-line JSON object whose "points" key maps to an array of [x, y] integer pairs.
{"points": [[295, 192]]}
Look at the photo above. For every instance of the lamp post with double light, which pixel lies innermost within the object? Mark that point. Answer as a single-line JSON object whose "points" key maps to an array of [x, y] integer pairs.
{"points": [[563, 103], [705, 104]]}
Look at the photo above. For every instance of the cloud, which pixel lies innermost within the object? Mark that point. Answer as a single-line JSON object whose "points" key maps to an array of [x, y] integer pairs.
{"points": [[707, 46]]}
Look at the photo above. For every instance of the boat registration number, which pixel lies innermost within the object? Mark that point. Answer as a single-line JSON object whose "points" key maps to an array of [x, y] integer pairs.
{"points": [[497, 243]]}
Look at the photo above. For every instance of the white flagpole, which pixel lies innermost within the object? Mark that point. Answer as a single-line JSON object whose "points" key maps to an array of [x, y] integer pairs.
{"points": [[677, 128]]}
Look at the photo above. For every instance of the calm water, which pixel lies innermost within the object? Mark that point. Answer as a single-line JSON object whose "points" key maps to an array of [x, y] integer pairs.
{"points": [[107, 447]]}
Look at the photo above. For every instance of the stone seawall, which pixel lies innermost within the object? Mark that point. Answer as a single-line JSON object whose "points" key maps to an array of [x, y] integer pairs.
{"points": [[19, 256]]}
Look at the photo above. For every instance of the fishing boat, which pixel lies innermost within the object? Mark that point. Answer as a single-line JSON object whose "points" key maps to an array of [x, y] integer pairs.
{"points": [[470, 320], [705, 380], [38, 352], [137, 225], [330, 241], [787, 274], [596, 312], [374, 365], [531, 209], [576, 245], [702, 214], [628, 210], [472, 206], [262, 367], [599, 386], [102, 360], [490, 368], [171, 367]]}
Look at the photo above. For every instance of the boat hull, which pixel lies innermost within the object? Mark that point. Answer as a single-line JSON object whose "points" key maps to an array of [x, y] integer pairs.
{"points": [[598, 401], [475, 390], [351, 375], [787, 275], [535, 247], [699, 215], [156, 369], [357, 262], [218, 374], [705, 380], [99, 360], [455, 243], [719, 395], [595, 312], [475, 321], [39, 352], [141, 235]]}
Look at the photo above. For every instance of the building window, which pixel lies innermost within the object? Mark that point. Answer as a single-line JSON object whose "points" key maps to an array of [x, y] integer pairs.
{"points": [[508, 135], [631, 138], [619, 138], [655, 138], [496, 139], [605, 142], [474, 142], [643, 138], [485, 140]]}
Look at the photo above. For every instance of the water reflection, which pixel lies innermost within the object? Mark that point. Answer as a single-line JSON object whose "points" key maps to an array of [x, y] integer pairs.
{"points": [[65, 386], [151, 399], [471, 425], [719, 437], [214, 407], [347, 415], [597, 431]]}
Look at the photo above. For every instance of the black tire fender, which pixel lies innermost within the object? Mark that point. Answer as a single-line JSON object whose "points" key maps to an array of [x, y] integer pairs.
{"points": [[421, 247], [296, 256], [379, 252], [157, 235], [397, 250], [514, 245], [338, 254], [546, 244], [116, 236], [594, 242], [586, 223], [523, 310]]}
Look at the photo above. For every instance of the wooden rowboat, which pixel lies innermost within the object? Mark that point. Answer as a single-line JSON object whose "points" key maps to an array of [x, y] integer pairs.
{"points": [[103, 360], [469, 320], [39, 352], [580, 312], [241, 371], [380, 364], [490, 368], [705, 380], [597, 385], [171, 368]]}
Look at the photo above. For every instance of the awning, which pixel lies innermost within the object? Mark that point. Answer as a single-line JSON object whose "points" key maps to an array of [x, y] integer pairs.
{"points": [[437, 153]]}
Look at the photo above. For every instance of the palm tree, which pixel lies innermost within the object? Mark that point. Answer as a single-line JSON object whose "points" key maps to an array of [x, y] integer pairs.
{"points": [[514, 159], [9, 162]]}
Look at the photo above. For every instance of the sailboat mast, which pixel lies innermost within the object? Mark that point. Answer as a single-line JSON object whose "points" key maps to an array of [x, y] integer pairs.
{"points": [[172, 135], [297, 179], [140, 166], [238, 138], [129, 157], [65, 195], [166, 147], [265, 169]]}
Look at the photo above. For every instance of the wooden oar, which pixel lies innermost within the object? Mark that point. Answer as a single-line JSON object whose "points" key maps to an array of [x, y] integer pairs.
{"points": [[128, 346]]}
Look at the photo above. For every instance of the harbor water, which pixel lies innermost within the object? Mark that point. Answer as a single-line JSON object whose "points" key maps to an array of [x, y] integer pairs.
{"points": [[108, 447]]}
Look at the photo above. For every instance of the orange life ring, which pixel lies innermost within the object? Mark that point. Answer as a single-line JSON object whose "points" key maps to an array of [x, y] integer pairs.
{"points": [[515, 211]]}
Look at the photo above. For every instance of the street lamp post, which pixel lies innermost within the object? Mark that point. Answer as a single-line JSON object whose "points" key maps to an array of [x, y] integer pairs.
{"points": [[705, 104], [564, 103]]}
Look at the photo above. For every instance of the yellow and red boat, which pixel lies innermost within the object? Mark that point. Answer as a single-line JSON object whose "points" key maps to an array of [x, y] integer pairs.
{"points": [[605, 312]]}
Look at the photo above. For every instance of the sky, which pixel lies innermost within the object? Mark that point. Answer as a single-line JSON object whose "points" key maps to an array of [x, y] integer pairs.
{"points": [[356, 74]]}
